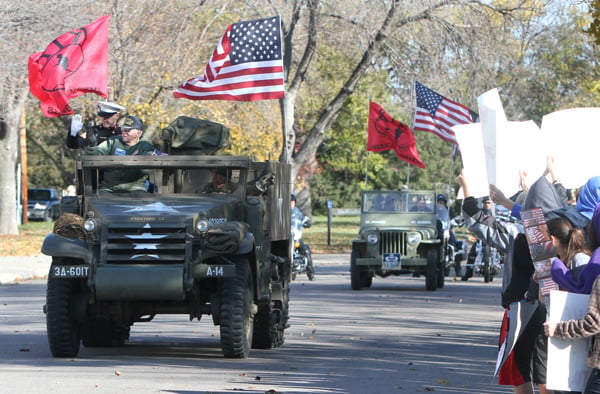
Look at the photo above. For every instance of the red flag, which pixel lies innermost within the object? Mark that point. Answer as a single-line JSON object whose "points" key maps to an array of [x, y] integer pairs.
{"points": [[73, 64], [387, 133], [246, 65], [437, 114]]}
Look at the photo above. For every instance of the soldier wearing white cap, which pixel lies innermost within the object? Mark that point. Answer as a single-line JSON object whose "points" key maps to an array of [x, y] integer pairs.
{"points": [[109, 113]]}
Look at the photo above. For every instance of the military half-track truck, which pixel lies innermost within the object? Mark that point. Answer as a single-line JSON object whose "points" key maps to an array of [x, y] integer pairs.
{"points": [[399, 234], [124, 258]]}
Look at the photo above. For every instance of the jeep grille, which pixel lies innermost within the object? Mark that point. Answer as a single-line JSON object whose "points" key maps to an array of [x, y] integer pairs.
{"points": [[146, 244], [392, 242]]}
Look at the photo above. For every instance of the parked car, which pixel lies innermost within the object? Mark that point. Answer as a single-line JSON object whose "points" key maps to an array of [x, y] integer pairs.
{"points": [[43, 204]]}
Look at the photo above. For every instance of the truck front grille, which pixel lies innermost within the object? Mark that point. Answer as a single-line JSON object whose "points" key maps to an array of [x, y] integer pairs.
{"points": [[145, 244], [392, 242]]}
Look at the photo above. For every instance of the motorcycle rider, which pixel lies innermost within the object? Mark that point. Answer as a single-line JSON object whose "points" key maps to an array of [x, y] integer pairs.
{"points": [[445, 215], [304, 249]]}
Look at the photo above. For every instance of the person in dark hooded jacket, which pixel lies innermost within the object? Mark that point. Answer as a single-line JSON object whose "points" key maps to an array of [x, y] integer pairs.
{"points": [[530, 351]]}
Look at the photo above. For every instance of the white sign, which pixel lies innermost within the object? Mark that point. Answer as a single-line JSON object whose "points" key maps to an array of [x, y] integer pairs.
{"points": [[572, 137], [567, 358], [495, 150]]}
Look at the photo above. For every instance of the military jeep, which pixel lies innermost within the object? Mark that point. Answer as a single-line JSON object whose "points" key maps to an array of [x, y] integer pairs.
{"points": [[399, 234], [123, 258]]}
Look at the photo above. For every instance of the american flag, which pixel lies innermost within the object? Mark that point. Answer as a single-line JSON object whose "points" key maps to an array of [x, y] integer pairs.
{"points": [[436, 114], [246, 65], [547, 285]]}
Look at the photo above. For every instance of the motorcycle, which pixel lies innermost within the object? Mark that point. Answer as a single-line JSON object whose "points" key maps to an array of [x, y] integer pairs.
{"points": [[456, 250], [483, 260], [302, 260]]}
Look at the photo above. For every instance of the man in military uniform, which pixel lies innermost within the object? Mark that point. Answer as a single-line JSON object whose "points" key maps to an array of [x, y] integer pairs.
{"points": [[129, 143], [109, 112]]}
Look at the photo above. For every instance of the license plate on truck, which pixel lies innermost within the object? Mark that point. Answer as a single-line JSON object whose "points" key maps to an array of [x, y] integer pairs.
{"points": [[392, 261], [70, 271]]}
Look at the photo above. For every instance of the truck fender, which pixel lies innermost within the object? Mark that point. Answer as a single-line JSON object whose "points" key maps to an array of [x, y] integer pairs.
{"points": [[58, 246]]}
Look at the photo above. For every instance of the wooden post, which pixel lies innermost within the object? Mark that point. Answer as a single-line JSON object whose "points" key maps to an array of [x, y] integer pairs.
{"points": [[24, 181]]}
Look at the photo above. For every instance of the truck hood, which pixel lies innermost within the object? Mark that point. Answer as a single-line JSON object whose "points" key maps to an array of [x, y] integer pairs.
{"points": [[149, 209]]}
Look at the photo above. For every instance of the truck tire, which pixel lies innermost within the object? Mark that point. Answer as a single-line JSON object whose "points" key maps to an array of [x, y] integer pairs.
{"points": [[237, 312], [431, 274], [103, 333], [272, 317], [264, 327], [62, 329]]}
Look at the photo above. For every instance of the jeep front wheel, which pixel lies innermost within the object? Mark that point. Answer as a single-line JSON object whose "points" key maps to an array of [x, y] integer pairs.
{"points": [[359, 276], [431, 273], [237, 312]]}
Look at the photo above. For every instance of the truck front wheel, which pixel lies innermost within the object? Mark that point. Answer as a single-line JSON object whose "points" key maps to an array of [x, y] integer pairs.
{"points": [[237, 312], [63, 330]]}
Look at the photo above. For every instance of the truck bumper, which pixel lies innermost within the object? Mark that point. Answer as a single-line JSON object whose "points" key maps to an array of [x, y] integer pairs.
{"points": [[139, 282]]}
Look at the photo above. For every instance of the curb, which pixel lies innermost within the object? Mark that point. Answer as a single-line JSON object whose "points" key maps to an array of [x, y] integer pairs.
{"points": [[20, 268]]}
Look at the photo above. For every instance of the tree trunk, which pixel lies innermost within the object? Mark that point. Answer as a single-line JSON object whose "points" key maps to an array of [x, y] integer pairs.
{"points": [[9, 143], [305, 156]]}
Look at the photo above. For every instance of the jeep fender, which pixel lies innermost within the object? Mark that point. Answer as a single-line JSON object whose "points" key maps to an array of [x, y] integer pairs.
{"points": [[58, 246]]}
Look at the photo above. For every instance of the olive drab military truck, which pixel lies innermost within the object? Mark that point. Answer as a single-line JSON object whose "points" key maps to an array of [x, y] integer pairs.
{"points": [[178, 248], [399, 234]]}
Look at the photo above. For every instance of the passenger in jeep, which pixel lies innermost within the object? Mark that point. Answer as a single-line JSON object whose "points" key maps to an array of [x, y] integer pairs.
{"points": [[421, 206]]}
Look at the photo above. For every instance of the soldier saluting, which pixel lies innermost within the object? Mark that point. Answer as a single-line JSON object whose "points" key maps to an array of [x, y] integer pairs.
{"points": [[78, 137]]}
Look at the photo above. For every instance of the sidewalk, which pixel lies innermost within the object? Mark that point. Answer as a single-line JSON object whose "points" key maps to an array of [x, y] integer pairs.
{"points": [[19, 268]]}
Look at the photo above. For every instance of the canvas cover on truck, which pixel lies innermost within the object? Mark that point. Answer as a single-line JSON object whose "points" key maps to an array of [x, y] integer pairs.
{"points": [[193, 136]]}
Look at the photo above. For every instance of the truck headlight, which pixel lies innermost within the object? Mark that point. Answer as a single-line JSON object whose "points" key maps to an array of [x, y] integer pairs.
{"points": [[372, 238], [413, 238], [89, 225], [202, 225]]}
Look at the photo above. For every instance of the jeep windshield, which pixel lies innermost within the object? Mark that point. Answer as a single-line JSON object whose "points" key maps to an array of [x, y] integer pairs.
{"points": [[399, 201]]}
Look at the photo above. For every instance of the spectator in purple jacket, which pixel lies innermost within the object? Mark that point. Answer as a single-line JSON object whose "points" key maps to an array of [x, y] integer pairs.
{"points": [[585, 280]]}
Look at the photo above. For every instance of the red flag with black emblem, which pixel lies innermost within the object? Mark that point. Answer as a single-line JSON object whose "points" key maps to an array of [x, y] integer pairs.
{"points": [[73, 64], [387, 133]]}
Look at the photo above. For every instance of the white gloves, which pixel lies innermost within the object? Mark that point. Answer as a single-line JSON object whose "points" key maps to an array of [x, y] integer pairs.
{"points": [[76, 125]]}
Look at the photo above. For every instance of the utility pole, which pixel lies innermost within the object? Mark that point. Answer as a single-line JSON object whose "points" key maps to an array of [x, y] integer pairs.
{"points": [[23, 145]]}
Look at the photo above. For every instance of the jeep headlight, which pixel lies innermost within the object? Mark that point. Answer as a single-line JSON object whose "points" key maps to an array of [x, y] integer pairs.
{"points": [[372, 238], [413, 238], [202, 225], [89, 225]]}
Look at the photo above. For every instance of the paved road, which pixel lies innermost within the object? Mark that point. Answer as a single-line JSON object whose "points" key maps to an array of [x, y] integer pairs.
{"points": [[393, 338]]}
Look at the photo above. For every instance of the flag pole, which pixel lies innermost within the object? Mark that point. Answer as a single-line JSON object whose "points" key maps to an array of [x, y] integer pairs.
{"points": [[412, 125], [367, 156], [452, 156], [367, 171]]}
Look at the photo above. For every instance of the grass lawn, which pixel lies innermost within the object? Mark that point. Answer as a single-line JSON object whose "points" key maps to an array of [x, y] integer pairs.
{"points": [[343, 230], [28, 242]]}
